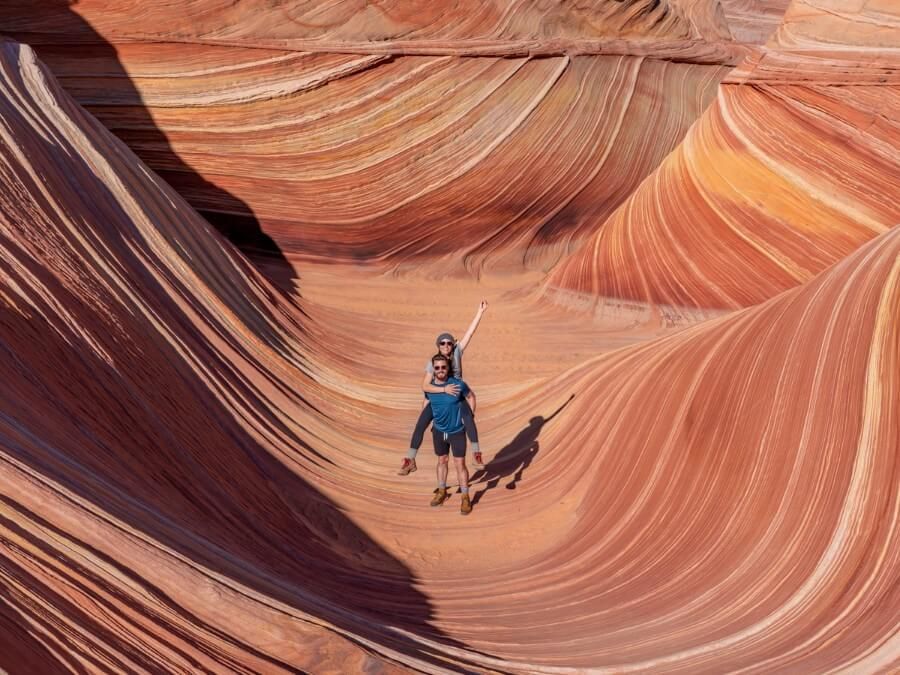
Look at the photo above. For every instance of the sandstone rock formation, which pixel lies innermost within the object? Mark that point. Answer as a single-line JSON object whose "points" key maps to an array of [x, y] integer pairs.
{"points": [[753, 21], [255, 112], [792, 167], [385, 20], [692, 421], [868, 24]]}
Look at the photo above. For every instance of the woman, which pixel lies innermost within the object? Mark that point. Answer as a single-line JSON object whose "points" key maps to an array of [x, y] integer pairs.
{"points": [[454, 350]]}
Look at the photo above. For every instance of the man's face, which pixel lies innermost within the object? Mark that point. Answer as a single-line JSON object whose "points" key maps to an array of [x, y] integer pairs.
{"points": [[441, 370]]}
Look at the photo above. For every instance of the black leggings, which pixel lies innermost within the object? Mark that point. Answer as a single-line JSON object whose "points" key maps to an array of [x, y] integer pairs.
{"points": [[427, 415]]}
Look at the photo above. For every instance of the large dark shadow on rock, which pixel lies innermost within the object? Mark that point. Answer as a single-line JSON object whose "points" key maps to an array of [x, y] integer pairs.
{"points": [[154, 448], [101, 401], [148, 443], [90, 69]]}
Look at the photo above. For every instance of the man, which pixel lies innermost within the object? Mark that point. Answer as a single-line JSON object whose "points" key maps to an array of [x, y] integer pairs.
{"points": [[448, 431]]}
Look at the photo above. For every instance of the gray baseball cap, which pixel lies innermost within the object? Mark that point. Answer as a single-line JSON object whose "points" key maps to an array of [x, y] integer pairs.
{"points": [[444, 336]]}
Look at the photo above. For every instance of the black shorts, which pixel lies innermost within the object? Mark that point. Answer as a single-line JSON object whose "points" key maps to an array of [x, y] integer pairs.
{"points": [[444, 443]]}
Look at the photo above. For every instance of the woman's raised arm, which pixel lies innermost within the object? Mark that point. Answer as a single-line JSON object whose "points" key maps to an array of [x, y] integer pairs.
{"points": [[472, 326]]}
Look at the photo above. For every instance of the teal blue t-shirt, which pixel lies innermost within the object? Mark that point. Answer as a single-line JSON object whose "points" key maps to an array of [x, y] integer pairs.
{"points": [[447, 409]]}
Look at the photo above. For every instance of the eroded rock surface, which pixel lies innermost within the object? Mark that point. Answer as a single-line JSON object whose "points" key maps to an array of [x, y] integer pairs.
{"points": [[545, 115], [688, 377], [790, 169]]}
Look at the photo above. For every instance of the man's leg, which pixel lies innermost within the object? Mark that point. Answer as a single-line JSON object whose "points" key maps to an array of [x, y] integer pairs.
{"points": [[458, 448], [462, 473], [442, 470], [442, 450], [409, 462]]}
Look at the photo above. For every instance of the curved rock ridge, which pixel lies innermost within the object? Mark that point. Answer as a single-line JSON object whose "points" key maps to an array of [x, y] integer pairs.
{"points": [[792, 167], [870, 24], [769, 187], [384, 20], [754, 21], [195, 469], [544, 147], [253, 132], [153, 511], [754, 518]]}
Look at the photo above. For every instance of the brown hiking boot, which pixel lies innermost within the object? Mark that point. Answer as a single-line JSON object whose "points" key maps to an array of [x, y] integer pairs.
{"points": [[440, 496], [408, 466], [479, 460], [465, 506]]}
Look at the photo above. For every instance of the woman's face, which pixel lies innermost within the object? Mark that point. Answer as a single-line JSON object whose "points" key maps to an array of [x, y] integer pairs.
{"points": [[445, 347]]}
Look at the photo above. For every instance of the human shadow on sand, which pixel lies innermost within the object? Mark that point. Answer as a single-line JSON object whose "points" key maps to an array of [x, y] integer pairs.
{"points": [[514, 457]]}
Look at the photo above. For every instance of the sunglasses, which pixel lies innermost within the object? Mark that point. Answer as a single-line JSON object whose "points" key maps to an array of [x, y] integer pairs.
{"points": [[445, 342], [436, 368]]}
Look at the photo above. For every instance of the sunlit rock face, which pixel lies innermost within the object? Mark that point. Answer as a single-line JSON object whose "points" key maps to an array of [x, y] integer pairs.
{"points": [[690, 421], [354, 21], [253, 116], [753, 21], [791, 168]]}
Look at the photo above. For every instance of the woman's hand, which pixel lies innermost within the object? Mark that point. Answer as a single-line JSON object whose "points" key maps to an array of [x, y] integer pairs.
{"points": [[452, 389], [483, 306]]}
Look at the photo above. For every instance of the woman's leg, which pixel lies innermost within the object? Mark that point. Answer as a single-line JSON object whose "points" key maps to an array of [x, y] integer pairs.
{"points": [[408, 465], [468, 420], [425, 418]]}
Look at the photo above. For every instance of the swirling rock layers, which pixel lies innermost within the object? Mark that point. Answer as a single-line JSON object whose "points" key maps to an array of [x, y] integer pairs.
{"points": [[537, 147], [736, 214], [520, 147], [147, 512], [790, 169], [384, 20], [787, 411], [197, 472]]}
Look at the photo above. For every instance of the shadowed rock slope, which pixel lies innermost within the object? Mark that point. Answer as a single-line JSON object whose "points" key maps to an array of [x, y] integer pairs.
{"points": [[154, 509], [197, 472]]}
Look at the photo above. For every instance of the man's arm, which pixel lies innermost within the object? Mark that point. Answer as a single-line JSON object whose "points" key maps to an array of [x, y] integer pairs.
{"points": [[428, 387], [472, 326], [470, 397]]}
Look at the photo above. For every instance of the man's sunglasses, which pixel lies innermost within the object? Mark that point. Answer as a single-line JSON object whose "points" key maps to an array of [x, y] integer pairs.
{"points": [[440, 368], [445, 342]]}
